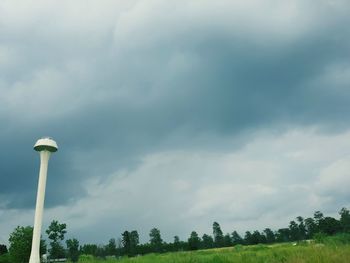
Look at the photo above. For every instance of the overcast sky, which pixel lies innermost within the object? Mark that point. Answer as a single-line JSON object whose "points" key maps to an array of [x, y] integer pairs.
{"points": [[174, 114]]}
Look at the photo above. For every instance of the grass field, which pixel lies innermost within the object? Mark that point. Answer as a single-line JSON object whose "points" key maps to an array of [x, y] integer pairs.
{"points": [[329, 251]]}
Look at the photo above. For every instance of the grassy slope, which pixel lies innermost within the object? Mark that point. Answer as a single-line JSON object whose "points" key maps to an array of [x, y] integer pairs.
{"points": [[250, 254]]}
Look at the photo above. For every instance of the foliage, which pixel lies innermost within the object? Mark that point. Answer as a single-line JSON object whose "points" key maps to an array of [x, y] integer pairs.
{"points": [[227, 240], [177, 244], [325, 230], [56, 232], [345, 219], [282, 235], [130, 240], [339, 239], [194, 241], [156, 240], [5, 258], [270, 236], [286, 253], [320, 237], [3, 249], [237, 239], [329, 225], [310, 227], [89, 249], [73, 249], [218, 235], [21, 243], [207, 241], [111, 248]]}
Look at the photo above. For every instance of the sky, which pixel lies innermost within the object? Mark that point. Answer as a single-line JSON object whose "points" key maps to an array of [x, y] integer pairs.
{"points": [[174, 114]]}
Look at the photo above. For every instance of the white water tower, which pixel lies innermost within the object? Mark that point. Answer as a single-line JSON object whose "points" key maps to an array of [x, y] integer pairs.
{"points": [[45, 147]]}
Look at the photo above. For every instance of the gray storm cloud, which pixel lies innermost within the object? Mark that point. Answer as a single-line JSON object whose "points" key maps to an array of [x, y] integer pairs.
{"points": [[116, 82]]}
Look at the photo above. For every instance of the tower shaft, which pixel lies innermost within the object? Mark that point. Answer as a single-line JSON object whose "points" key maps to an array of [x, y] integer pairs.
{"points": [[40, 198]]}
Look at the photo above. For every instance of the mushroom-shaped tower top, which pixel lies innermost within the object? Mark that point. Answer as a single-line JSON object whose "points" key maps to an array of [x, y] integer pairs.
{"points": [[47, 144]]}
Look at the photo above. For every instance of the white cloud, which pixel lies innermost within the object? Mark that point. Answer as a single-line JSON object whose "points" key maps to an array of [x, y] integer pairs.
{"points": [[335, 178], [265, 184]]}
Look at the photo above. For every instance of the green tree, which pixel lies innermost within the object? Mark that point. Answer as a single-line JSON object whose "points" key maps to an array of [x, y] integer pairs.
{"points": [[156, 240], [248, 238], [257, 238], [207, 241], [126, 242], [4, 256], [227, 240], [269, 235], [134, 241], [294, 231], [73, 249], [218, 235], [101, 252], [302, 228], [311, 227], [345, 219], [56, 232], [111, 248], [130, 240], [283, 235], [194, 241], [177, 244], [3, 249], [21, 243], [329, 225], [176, 239], [89, 249], [237, 239], [318, 216]]}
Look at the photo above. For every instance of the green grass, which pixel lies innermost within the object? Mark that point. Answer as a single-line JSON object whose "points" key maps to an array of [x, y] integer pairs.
{"points": [[330, 251]]}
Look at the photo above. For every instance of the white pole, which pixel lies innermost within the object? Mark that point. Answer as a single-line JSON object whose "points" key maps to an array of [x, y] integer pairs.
{"points": [[40, 198]]}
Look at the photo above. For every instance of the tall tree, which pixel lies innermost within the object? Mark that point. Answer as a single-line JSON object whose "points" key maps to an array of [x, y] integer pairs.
{"points": [[89, 249], [73, 249], [345, 219], [111, 248], [56, 232], [126, 243], [257, 238], [21, 243], [318, 216], [294, 231], [134, 241], [283, 235], [101, 252], [236, 239], [269, 235], [3, 249], [218, 235], [177, 243], [176, 239], [302, 228], [194, 241], [311, 227], [329, 225], [227, 240], [207, 241], [248, 238], [156, 240]]}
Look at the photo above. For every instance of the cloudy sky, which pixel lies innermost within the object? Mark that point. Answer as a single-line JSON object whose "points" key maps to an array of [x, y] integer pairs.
{"points": [[174, 114]]}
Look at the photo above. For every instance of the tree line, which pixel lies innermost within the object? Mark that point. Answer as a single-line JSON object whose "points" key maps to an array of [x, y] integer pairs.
{"points": [[20, 241], [128, 244]]}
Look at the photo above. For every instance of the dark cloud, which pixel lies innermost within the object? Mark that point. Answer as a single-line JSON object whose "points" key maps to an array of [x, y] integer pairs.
{"points": [[128, 81]]}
